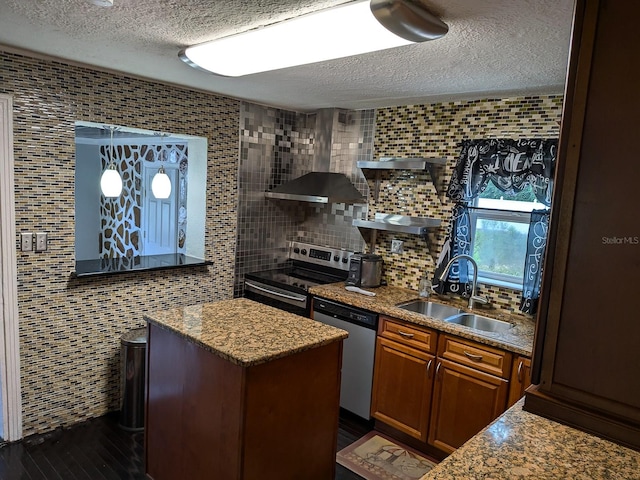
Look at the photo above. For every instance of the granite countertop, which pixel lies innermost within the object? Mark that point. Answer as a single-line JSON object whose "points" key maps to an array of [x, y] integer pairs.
{"points": [[521, 445], [246, 332], [518, 339]]}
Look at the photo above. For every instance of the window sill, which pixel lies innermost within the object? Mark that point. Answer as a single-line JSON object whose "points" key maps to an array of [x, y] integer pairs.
{"points": [[500, 283], [112, 266]]}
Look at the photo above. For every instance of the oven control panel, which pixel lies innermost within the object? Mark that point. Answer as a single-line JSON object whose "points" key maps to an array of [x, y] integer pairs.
{"points": [[328, 256]]}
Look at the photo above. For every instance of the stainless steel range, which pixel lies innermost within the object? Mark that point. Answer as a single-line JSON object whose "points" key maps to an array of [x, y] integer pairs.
{"points": [[287, 287]]}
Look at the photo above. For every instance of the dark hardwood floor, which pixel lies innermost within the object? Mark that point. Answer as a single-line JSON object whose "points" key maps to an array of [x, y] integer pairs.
{"points": [[99, 450]]}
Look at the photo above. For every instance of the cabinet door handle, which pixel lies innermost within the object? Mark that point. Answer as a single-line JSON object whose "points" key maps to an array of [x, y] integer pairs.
{"points": [[405, 334], [520, 365], [475, 358], [438, 369], [429, 368]]}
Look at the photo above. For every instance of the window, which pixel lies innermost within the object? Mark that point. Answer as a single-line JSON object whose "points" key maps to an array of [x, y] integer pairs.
{"points": [[499, 230]]}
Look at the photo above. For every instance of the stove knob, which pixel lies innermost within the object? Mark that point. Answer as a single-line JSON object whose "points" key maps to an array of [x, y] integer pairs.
{"points": [[345, 259], [336, 258], [304, 252], [296, 250]]}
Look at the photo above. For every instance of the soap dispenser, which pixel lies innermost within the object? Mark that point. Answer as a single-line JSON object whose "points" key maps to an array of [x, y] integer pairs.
{"points": [[424, 288]]}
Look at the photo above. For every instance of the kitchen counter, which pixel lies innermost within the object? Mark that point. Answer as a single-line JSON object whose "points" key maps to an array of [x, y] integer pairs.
{"points": [[518, 339], [521, 445], [245, 332], [229, 388]]}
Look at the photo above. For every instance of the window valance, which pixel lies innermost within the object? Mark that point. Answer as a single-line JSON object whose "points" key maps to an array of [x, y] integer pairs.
{"points": [[511, 164]]}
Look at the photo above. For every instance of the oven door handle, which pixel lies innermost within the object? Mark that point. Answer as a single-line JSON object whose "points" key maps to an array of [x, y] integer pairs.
{"points": [[297, 298]]}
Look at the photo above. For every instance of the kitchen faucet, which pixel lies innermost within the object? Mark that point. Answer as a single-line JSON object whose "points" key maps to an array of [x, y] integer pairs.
{"points": [[474, 297]]}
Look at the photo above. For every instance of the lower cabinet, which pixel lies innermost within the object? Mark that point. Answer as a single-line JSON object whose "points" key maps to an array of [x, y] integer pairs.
{"points": [[403, 382], [438, 388], [520, 379], [465, 401]]}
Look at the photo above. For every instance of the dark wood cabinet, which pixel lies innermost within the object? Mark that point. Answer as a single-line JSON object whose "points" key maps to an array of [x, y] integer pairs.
{"points": [[585, 353], [208, 418]]}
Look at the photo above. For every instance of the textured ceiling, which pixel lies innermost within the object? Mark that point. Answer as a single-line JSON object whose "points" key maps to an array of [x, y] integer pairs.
{"points": [[494, 47]]}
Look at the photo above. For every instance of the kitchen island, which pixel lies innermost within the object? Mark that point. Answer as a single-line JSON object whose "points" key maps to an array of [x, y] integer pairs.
{"points": [[240, 390], [522, 445]]}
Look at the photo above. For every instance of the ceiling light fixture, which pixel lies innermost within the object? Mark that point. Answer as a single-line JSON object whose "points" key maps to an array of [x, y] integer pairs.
{"points": [[161, 184], [110, 182], [349, 29]]}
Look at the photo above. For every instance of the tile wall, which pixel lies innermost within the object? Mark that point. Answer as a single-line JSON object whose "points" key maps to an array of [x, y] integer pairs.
{"points": [[70, 328], [278, 146], [436, 130]]}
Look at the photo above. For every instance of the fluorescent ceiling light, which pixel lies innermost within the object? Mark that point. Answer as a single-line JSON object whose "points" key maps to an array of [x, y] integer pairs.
{"points": [[342, 31]]}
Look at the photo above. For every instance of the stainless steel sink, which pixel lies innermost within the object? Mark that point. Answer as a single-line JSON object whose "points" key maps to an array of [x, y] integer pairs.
{"points": [[434, 310], [479, 322]]}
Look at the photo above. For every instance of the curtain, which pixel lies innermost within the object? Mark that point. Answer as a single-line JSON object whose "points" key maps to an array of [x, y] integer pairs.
{"points": [[458, 242], [536, 244], [509, 164]]}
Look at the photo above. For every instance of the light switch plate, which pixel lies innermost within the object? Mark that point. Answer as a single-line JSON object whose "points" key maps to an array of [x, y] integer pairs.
{"points": [[26, 242], [41, 242]]}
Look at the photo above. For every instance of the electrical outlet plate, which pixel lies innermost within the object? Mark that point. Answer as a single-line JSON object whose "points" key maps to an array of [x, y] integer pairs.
{"points": [[26, 242], [397, 246], [41, 242]]}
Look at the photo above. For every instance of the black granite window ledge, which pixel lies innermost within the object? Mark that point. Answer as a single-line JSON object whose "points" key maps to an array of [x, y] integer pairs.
{"points": [[116, 266]]}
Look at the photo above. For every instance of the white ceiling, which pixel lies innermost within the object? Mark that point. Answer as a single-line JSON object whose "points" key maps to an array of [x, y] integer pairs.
{"points": [[493, 48]]}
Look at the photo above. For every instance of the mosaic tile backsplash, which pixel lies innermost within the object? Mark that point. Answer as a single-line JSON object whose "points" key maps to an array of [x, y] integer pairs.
{"points": [[436, 131], [278, 146], [70, 328]]}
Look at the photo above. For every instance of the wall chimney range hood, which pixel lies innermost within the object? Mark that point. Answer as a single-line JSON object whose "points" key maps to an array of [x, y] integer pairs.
{"points": [[322, 185], [318, 187]]}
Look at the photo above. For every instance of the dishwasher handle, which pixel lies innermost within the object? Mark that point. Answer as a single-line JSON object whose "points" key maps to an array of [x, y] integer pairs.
{"points": [[345, 313]]}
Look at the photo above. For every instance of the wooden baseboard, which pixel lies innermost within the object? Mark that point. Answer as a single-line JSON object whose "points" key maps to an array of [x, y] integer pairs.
{"points": [[579, 417]]}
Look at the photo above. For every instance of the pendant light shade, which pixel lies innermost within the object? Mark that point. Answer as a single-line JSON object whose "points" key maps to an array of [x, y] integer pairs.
{"points": [[161, 185], [111, 182]]}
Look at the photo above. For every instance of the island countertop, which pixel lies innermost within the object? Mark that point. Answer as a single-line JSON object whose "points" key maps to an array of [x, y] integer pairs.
{"points": [[245, 332], [522, 445]]}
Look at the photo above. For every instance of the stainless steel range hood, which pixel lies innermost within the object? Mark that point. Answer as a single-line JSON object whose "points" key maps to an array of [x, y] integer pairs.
{"points": [[322, 185], [318, 187]]}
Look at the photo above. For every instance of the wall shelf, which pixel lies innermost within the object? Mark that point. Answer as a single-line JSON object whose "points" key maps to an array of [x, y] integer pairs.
{"points": [[396, 163], [397, 223]]}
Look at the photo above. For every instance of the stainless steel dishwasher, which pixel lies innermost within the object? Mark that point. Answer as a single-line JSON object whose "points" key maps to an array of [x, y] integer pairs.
{"points": [[357, 354]]}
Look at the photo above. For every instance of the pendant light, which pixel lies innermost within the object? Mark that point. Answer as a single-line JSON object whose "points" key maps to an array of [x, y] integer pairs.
{"points": [[161, 184], [110, 182]]}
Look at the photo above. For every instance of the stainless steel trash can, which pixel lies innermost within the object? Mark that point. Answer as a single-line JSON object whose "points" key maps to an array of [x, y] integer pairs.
{"points": [[133, 348]]}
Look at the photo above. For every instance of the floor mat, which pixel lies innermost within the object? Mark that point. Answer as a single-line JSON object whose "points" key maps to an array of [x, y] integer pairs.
{"points": [[377, 457]]}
